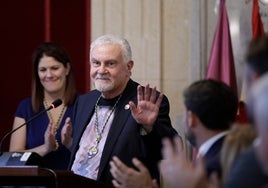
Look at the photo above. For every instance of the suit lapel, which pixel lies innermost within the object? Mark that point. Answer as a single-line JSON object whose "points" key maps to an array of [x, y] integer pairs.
{"points": [[88, 110], [215, 149], [119, 122], [85, 111]]}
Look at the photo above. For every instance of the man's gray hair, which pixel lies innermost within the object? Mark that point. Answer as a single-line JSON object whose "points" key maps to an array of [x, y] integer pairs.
{"points": [[113, 39]]}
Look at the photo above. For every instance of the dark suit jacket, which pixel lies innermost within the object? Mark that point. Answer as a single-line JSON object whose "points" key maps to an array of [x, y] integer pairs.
{"points": [[124, 139], [246, 172], [212, 158]]}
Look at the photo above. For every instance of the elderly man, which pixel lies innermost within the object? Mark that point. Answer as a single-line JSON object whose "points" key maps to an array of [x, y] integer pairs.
{"points": [[119, 117]]}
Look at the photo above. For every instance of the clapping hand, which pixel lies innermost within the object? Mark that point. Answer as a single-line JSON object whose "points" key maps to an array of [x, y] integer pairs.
{"points": [[178, 171], [126, 177], [66, 133], [51, 143]]}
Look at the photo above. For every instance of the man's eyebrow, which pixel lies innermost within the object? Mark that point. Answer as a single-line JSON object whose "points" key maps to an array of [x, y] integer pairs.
{"points": [[107, 60]]}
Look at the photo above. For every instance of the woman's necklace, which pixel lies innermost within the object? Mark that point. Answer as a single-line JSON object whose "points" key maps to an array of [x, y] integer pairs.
{"points": [[57, 124], [93, 150]]}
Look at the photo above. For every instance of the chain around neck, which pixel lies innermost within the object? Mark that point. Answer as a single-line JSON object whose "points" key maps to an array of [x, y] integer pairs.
{"points": [[57, 123], [100, 132]]}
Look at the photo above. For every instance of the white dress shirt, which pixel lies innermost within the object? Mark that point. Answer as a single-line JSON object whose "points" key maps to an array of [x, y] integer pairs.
{"points": [[203, 149]]}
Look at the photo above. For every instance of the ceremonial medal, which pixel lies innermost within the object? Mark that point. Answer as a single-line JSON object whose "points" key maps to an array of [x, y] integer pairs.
{"points": [[92, 152]]}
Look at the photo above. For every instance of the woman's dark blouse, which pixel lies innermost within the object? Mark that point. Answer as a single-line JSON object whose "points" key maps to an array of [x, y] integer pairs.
{"points": [[56, 160]]}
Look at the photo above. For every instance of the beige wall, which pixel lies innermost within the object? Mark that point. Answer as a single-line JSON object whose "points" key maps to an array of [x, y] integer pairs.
{"points": [[158, 31], [171, 39]]}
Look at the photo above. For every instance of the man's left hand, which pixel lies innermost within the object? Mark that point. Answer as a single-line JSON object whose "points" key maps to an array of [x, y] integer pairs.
{"points": [[147, 109]]}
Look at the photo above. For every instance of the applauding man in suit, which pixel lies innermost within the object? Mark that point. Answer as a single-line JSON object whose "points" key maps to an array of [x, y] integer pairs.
{"points": [[210, 109]]}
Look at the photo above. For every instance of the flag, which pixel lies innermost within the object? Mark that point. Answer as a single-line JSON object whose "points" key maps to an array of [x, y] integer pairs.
{"points": [[221, 62], [257, 26]]}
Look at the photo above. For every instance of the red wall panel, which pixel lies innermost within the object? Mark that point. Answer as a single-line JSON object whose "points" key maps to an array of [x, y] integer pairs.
{"points": [[69, 27], [22, 28]]}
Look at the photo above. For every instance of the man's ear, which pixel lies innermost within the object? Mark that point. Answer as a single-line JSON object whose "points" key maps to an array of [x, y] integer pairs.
{"points": [[191, 119], [130, 65]]}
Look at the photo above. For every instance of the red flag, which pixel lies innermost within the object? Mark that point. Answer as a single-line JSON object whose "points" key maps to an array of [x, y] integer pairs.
{"points": [[257, 26], [221, 62]]}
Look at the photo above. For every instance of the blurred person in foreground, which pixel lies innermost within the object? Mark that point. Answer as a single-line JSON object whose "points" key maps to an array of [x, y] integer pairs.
{"points": [[238, 140], [246, 170], [259, 98]]}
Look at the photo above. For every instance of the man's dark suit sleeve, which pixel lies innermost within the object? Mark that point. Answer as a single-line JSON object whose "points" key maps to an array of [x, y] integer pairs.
{"points": [[161, 129]]}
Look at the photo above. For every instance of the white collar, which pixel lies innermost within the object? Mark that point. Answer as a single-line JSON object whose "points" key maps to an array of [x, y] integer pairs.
{"points": [[203, 149]]}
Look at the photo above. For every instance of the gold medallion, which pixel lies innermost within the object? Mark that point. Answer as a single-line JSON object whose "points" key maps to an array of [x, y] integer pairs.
{"points": [[56, 145], [92, 152]]}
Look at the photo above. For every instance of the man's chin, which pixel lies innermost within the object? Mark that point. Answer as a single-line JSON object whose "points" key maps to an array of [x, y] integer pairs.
{"points": [[104, 89]]}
